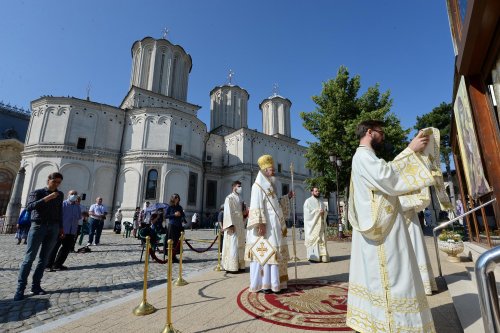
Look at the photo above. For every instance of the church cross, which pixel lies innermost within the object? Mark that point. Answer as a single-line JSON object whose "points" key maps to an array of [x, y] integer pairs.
{"points": [[276, 89], [165, 33], [270, 192], [262, 250], [230, 76]]}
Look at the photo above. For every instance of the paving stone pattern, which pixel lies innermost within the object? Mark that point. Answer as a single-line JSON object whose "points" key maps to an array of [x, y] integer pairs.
{"points": [[112, 270]]}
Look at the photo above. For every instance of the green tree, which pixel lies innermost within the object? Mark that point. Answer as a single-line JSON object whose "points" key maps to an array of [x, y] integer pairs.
{"points": [[333, 123]]}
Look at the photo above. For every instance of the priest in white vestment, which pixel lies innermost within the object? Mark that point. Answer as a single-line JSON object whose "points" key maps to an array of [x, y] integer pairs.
{"points": [[267, 219], [233, 250], [315, 228], [386, 292]]}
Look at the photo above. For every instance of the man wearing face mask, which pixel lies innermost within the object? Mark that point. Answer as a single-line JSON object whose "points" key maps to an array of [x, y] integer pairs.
{"points": [[315, 228], [233, 251], [71, 212]]}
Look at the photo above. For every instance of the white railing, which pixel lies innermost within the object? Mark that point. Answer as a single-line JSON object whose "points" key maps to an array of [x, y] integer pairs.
{"points": [[447, 223]]}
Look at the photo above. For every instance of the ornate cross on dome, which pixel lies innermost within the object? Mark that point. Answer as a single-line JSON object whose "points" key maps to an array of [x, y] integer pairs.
{"points": [[165, 33], [276, 89], [230, 76]]}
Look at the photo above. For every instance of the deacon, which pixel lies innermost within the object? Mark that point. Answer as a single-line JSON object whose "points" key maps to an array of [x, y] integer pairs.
{"points": [[233, 250], [315, 228], [267, 219], [386, 292]]}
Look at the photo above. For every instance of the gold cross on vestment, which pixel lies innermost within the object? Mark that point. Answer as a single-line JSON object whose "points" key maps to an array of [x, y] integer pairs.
{"points": [[270, 193], [262, 249]]}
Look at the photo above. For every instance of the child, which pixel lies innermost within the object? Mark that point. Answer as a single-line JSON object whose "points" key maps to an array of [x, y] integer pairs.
{"points": [[23, 226]]}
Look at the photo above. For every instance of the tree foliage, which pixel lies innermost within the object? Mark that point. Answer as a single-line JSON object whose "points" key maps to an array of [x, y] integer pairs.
{"points": [[333, 123], [440, 118]]}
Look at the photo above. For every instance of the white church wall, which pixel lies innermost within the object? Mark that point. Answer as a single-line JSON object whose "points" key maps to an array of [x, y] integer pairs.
{"points": [[35, 127], [127, 193], [103, 186], [109, 132], [176, 181], [136, 132], [57, 121], [82, 125], [157, 132], [76, 177]]}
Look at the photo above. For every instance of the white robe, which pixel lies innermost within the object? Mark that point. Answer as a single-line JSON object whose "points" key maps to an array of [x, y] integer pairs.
{"points": [[423, 259], [386, 292], [233, 251], [315, 229], [266, 208]]}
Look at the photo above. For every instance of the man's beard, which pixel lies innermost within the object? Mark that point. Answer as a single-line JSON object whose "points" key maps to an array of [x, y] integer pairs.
{"points": [[378, 146], [316, 195], [272, 179]]}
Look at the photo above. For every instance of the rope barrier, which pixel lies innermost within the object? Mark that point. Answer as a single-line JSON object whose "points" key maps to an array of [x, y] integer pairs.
{"points": [[199, 240], [201, 251]]}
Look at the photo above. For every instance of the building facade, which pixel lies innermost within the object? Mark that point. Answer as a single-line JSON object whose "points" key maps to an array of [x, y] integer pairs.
{"points": [[475, 133], [154, 145], [13, 125]]}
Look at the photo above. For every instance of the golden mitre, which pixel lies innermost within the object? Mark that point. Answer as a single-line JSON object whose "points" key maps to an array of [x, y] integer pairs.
{"points": [[265, 161]]}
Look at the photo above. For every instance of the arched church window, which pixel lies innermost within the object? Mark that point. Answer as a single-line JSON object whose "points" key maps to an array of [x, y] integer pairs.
{"points": [[151, 184]]}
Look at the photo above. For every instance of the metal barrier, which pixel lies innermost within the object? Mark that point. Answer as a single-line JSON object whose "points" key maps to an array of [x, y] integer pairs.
{"points": [[487, 290], [445, 224]]}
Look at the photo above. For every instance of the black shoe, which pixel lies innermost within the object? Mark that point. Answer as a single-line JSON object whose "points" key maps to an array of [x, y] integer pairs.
{"points": [[37, 291], [50, 269], [19, 296], [175, 260], [61, 268], [282, 291], [18, 242], [266, 291]]}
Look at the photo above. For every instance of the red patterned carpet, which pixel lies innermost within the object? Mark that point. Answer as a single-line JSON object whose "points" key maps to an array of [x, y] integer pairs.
{"points": [[310, 305]]}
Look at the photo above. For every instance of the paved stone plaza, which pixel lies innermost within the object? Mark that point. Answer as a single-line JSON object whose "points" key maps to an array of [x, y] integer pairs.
{"points": [[112, 270]]}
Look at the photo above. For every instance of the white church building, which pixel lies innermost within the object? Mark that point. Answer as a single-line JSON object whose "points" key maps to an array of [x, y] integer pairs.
{"points": [[154, 145]]}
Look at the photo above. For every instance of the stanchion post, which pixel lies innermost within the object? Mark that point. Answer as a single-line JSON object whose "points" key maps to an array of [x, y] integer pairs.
{"points": [[180, 281], [145, 308], [218, 268], [169, 328]]}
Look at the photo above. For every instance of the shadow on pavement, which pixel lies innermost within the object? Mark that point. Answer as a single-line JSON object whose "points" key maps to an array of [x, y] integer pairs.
{"points": [[21, 310]]}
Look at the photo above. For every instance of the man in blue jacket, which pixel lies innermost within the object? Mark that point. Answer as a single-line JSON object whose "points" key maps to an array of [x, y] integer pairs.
{"points": [[45, 205]]}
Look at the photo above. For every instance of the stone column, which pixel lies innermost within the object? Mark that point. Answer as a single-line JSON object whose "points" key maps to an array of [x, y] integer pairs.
{"points": [[14, 206]]}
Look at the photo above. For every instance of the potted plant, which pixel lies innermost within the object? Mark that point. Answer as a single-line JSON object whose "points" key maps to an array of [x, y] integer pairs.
{"points": [[451, 243]]}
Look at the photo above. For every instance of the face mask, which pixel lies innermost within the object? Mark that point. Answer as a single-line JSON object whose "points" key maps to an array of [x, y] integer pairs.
{"points": [[239, 189], [73, 197]]}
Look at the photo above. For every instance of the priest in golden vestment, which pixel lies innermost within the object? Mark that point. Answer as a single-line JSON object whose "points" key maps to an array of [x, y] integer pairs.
{"points": [[267, 219], [386, 292]]}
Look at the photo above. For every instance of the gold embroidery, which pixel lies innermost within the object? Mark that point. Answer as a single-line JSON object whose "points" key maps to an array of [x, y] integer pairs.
{"points": [[398, 305], [364, 322]]}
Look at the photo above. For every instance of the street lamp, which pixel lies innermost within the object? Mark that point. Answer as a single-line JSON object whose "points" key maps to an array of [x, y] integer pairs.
{"points": [[337, 163]]}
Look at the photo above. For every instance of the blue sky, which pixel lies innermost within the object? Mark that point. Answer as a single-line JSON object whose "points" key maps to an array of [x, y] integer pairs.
{"points": [[58, 47]]}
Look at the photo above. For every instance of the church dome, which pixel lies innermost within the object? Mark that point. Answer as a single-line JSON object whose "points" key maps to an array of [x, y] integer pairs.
{"points": [[161, 67]]}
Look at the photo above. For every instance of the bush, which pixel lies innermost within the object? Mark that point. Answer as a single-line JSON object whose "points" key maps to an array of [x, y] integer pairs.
{"points": [[450, 236]]}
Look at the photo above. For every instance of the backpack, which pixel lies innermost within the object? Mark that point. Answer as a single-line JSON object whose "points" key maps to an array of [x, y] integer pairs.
{"points": [[24, 217]]}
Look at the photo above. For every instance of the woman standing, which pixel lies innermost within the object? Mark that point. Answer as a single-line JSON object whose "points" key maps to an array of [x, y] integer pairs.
{"points": [[175, 216]]}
